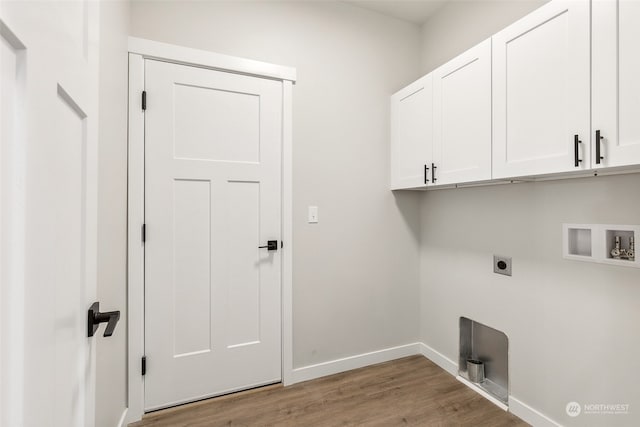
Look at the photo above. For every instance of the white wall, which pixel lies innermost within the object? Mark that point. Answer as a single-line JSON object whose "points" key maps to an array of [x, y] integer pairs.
{"points": [[111, 366], [461, 24], [572, 326], [356, 272]]}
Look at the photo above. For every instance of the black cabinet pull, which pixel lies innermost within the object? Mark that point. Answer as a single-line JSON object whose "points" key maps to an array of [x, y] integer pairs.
{"points": [[272, 245], [433, 173], [576, 157], [426, 173], [94, 318], [598, 138]]}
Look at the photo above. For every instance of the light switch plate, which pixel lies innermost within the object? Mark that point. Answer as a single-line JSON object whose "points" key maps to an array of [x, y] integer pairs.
{"points": [[313, 214]]}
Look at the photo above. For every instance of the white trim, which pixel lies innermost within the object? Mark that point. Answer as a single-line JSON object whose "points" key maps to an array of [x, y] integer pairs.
{"points": [[135, 248], [123, 417], [331, 367], [483, 393], [140, 50], [530, 415], [439, 359], [287, 232], [150, 49]]}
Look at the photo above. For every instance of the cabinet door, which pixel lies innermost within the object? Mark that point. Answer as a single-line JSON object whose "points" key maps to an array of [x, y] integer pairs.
{"points": [[462, 117], [616, 82], [541, 92], [411, 134]]}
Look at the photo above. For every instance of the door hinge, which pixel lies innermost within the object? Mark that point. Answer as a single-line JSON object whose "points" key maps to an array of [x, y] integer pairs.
{"points": [[144, 233], [144, 365], [144, 100]]}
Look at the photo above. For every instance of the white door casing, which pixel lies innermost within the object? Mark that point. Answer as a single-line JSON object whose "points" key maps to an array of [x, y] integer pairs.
{"points": [[615, 84], [541, 91], [462, 117], [212, 196], [412, 134], [49, 192]]}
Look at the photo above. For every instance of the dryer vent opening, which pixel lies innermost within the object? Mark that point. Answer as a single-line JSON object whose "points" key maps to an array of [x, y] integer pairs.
{"points": [[481, 345]]}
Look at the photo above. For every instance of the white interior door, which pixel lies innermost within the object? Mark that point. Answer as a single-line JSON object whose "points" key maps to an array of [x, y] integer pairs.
{"points": [[616, 85], [49, 92], [212, 197], [541, 91], [412, 134], [462, 117]]}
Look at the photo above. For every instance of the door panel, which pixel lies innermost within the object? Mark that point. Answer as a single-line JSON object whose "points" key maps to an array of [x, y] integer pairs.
{"points": [[52, 215], [541, 91], [238, 137], [212, 196], [12, 229], [69, 272], [244, 283], [629, 70], [527, 85], [411, 134], [462, 117], [192, 263], [616, 87]]}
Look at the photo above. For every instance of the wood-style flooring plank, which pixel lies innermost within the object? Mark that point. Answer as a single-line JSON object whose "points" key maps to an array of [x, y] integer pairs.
{"points": [[412, 391]]}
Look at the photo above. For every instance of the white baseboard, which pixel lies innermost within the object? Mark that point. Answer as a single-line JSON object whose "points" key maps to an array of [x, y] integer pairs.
{"points": [[482, 393], [331, 367], [530, 415], [123, 417], [439, 359]]}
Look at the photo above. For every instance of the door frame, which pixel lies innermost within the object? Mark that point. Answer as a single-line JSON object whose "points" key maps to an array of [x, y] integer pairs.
{"points": [[139, 50]]}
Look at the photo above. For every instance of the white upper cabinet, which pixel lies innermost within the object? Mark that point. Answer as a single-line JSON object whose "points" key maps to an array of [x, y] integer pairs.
{"points": [[556, 92], [412, 134], [462, 117], [616, 83], [541, 92]]}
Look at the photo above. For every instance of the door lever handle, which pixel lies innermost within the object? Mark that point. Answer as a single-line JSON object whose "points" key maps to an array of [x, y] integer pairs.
{"points": [[94, 318], [272, 245]]}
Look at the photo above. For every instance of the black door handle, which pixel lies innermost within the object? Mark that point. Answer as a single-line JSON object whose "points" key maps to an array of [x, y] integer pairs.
{"points": [[94, 318], [598, 138], [433, 173], [576, 157], [272, 245], [426, 173]]}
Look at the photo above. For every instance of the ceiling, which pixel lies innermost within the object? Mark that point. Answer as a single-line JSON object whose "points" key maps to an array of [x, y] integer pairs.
{"points": [[416, 11]]}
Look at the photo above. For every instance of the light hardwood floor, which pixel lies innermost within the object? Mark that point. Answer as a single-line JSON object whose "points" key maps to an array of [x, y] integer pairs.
{"points": [[409, 391]]}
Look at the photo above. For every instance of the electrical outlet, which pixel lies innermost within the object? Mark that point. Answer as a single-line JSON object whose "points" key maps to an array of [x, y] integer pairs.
{"points": [[502, 265]]}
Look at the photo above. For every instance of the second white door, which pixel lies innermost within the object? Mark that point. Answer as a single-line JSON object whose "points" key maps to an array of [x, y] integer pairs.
{"points": [[212, 197]]}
